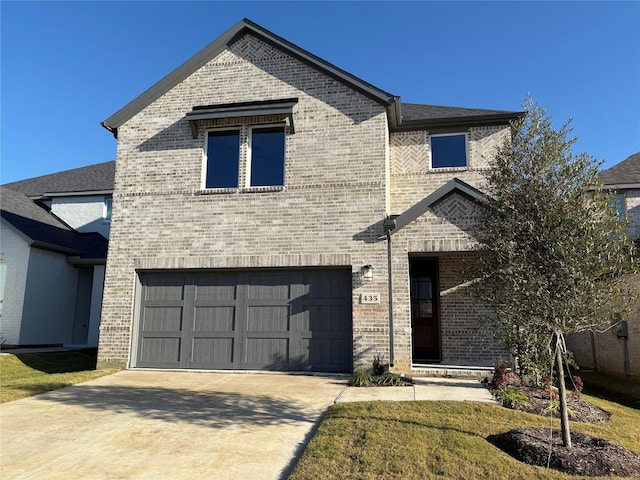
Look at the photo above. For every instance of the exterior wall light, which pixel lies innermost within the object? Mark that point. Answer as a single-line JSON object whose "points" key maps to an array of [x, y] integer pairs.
{"points": [[367, 273]]}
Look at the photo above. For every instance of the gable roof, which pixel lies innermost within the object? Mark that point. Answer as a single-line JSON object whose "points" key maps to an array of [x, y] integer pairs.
{"points": [[624, 174], [209, 52], [93, 178], [454, 185], [47, 231]]}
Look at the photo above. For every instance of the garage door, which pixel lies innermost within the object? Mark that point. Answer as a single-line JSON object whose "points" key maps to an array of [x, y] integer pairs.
{"points": [[267, 320]]}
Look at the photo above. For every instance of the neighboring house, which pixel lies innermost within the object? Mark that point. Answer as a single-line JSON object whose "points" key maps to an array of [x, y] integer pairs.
{"points": [[262, 194], [53, 253], [617, 350]]}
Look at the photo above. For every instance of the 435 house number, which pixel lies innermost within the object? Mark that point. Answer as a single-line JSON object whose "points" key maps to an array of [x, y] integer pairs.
{"points": [[369, 298]]}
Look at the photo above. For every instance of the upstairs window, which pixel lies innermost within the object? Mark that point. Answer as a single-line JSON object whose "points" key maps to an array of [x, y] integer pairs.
{"points": [[617, 206], [245, 157], [266, 158], [448, 151], [223, 157], [108, 205]]}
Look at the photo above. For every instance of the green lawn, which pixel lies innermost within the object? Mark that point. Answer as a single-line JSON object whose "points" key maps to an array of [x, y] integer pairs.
{"points": [[444, 440], [28, 374]]}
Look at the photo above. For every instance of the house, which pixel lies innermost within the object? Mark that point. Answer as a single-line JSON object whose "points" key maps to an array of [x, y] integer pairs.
{"points": [[616, 350], [273, 211], [54, 233]]}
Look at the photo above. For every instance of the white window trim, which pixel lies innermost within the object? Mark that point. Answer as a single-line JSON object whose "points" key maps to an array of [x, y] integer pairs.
{"points": [[466, 151], [249, 157], [205, 157]]}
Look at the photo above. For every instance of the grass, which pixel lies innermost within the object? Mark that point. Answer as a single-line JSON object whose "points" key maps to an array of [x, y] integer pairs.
{"points": [[445, 440], [24, 375], [625, 391]]}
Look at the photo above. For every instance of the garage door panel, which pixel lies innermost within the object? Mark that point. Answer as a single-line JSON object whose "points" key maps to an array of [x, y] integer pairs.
{"points": [[216, 287], [266, 318], [212, 351], [268, 286], [162, 319], [214, 319], [160, 351], [260, 319], [269, 353]]}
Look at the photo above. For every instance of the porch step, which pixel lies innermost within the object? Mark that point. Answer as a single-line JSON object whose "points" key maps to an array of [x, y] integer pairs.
{"points": [[451, 371]]}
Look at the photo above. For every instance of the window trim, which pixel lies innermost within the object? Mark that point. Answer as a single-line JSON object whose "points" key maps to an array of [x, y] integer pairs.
{"points": [[466, 151], [245, 131]]}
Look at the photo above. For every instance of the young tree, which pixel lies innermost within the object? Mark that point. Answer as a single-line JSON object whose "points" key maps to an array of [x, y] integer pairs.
{"points": [[553, 253]]}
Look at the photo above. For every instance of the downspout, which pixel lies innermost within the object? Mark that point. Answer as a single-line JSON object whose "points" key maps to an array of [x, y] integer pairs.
{"points": [[390, 287]]}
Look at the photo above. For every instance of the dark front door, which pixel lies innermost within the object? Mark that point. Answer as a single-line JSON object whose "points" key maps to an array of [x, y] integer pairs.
{"points": [[425, 321]]}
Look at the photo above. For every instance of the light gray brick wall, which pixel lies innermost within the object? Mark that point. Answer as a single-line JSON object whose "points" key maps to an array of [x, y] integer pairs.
{"points": [[332, 205], [411, 179], [445, 232]]}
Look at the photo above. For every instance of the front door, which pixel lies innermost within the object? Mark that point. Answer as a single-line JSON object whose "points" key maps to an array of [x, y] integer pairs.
{"points": [[425, 321]]}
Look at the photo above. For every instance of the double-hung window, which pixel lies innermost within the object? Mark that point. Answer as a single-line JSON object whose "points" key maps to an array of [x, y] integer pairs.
{"points": [[262, 147], [448, 151]]}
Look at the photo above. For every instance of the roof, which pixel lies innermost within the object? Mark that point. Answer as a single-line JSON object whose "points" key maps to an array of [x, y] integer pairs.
{"points": [[416, 115], [455, 185], [401, 116], [47, 231], [625, 173], [214, 48], [93, 178]]}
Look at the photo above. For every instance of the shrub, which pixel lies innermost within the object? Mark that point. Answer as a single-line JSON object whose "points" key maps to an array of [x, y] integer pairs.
{"points": [[361, 378], [512, 398], [379, 368], [502, 376]]}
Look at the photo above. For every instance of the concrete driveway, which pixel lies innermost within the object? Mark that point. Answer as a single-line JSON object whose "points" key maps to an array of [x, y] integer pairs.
{"points": [[165, 425]]}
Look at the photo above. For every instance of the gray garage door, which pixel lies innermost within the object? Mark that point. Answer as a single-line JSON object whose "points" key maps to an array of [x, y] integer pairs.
{"points": [[267, 319]]}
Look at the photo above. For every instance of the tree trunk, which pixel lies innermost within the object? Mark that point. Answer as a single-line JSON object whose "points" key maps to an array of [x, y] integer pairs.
{"points": [[562, 392]]}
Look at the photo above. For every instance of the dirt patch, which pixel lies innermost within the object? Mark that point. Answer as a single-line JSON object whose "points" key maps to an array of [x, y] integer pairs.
{"points": [[589, 456]]}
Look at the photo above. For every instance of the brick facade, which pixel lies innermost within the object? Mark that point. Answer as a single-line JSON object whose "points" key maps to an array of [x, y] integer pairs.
{"points": [[344, 173]]}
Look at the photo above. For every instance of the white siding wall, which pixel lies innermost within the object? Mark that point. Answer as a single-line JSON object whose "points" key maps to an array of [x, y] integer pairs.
{"points": [[50, 300], [84, 213], [15, 253]]}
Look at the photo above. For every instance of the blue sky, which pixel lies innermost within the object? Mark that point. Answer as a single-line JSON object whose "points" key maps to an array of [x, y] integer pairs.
{"points": [[67, 66]]}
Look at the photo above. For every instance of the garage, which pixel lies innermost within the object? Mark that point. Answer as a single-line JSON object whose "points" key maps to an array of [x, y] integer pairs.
{"points": [[290, 320]]}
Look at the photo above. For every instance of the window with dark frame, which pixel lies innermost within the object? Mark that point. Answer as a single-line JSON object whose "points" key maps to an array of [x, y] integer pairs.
{"points": [[223, 157], [267, 157], [448, 151]]}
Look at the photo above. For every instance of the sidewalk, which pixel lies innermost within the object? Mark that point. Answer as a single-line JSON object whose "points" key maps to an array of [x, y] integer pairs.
{"points": [[425, 388]]}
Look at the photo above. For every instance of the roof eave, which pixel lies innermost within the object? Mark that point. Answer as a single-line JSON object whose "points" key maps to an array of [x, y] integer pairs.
{"points": [[217, 46], [463, 121]]}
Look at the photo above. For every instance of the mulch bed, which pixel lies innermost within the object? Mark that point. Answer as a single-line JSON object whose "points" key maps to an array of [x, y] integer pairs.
{"points": [[589, 456]]}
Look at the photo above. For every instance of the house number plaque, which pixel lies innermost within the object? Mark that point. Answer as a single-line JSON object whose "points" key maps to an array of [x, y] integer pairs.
{"points": [[370, 298]]}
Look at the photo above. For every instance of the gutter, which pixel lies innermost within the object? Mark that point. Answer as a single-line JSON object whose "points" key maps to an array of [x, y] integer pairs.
{"points": [[389, 225]]}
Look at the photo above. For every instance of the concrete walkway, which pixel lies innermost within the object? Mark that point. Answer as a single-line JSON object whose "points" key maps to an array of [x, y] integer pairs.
{"points": [[141, 424]]}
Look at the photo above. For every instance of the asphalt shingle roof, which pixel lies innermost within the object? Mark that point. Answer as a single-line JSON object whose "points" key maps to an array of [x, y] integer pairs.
{"points": [[416, 111], [84, 179], [39, 225], [625, 172]]}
